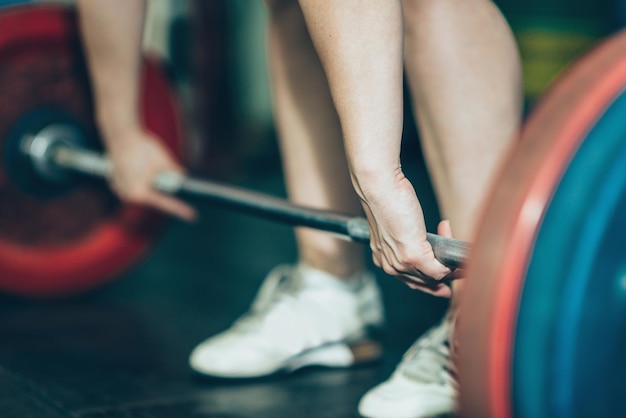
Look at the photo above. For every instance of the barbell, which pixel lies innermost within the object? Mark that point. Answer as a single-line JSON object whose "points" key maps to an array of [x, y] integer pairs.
{"points": [[56, 149], [43, 80], [541, 329]]}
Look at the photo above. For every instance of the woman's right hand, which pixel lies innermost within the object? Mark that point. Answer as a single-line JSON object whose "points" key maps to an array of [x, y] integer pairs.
{"points": [[398, 233], [137, 157]]}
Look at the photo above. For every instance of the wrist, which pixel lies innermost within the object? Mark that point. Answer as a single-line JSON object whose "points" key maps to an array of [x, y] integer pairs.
{"points": [[373, 181], [116, 124]]}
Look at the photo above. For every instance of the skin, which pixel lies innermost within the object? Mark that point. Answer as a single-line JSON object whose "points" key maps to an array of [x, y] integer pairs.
{"points": [[114, 60], [336, 78], [309, 135], [363, 56], [467, 95], [360, 46]]}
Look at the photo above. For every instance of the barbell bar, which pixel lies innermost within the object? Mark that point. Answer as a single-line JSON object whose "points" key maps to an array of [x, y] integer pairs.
{"points": [[57, 147]]}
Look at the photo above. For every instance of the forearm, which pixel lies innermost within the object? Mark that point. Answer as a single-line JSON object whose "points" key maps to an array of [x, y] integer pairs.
{"points": [[360, 45], [112, 35]]}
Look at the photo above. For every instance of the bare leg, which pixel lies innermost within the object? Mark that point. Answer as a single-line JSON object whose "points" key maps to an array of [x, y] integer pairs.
{"points": [[463, 69], [321, 312], [310, 138], [464, 73]]}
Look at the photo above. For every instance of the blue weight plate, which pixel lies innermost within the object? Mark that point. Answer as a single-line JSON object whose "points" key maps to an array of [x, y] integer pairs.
{"points": [[540, 330], [589, 361], [571, 314]]}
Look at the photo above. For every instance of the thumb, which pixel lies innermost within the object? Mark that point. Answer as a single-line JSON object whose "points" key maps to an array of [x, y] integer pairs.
{"points": [[444, 229]]}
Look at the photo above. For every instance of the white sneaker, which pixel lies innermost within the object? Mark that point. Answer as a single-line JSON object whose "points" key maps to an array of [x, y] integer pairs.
{"points": [[300, 317], [423, 384]]}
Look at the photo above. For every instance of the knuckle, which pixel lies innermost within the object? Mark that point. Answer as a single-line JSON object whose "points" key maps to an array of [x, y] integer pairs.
{"points": [[399, 266], [409, 257], [390, 270], [375, 247]]}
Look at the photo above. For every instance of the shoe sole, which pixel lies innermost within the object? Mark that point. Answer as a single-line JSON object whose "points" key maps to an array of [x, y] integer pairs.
{"points": [[334, 355]]}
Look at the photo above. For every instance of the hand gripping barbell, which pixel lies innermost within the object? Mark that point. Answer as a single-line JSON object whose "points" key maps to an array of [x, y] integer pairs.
{"points": [[56, 148]]}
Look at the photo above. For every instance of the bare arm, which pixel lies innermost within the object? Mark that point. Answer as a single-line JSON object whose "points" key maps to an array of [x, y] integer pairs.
{"points": [[360, 46], [112, 33]]}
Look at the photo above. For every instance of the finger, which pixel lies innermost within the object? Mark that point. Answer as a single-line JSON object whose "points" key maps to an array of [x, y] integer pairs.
{"points": [[431, 268], [376, 259], [424, 268], [442, 291], [455, 275], [438, 289], [386, 266], [171, 205], [444, 229], [439, 270]]}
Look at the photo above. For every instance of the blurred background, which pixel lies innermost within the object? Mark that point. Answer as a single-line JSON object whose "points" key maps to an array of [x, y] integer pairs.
{"points": [[121, 350], [215, 53]]}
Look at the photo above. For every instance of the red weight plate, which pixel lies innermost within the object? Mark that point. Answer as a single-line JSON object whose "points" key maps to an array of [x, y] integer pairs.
{"points": [[78, 240], [505, 241]]}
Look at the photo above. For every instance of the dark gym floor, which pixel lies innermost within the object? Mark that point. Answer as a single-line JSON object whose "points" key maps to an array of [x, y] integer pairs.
{"points": [[122, 350]]}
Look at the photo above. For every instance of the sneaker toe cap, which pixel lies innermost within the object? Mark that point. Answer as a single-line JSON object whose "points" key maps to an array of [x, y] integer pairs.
{"points": [[220, 357], [402, 398]]}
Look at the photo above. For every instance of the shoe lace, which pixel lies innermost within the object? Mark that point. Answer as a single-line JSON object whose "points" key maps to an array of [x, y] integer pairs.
{"points": [[430, 357]]}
